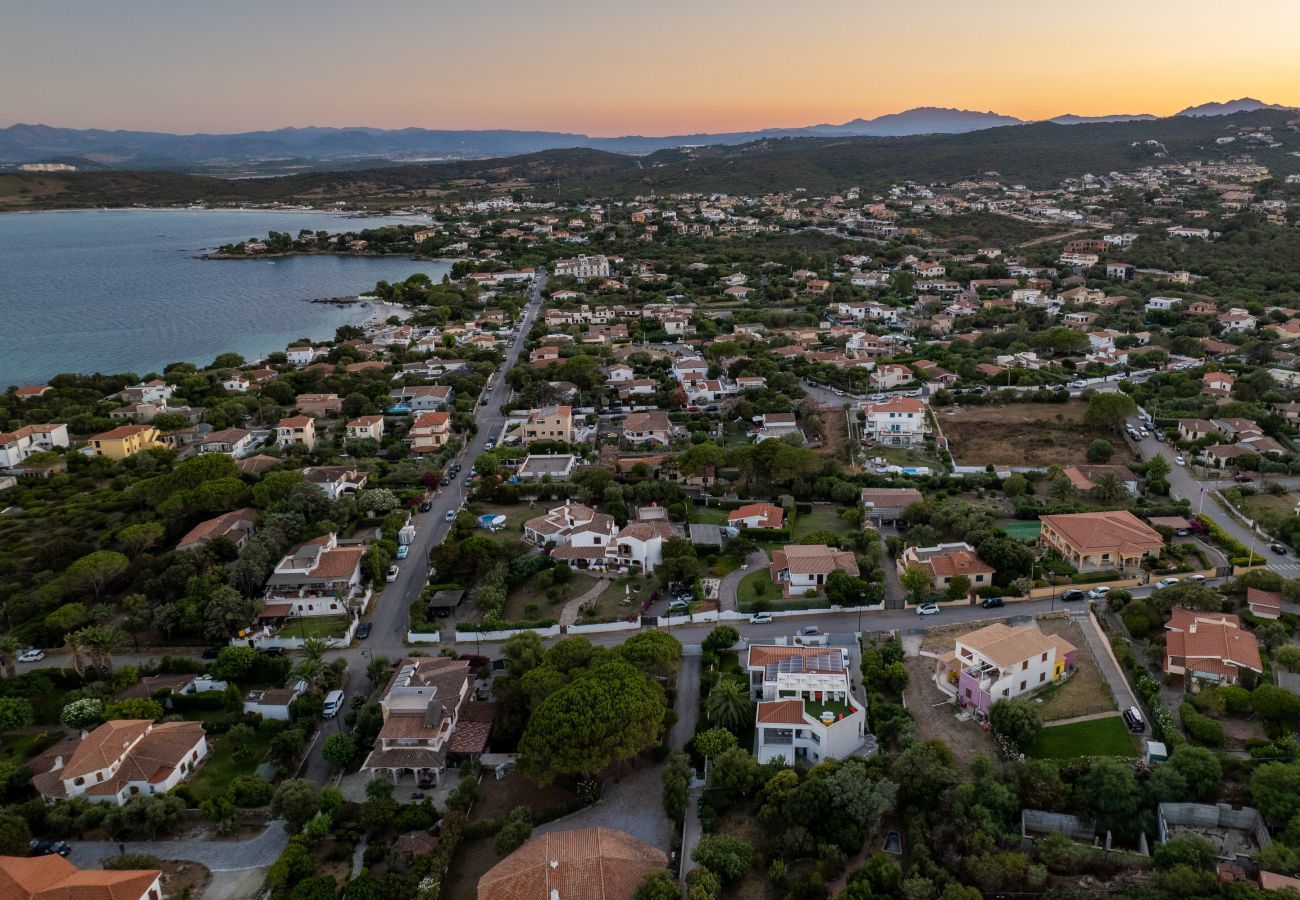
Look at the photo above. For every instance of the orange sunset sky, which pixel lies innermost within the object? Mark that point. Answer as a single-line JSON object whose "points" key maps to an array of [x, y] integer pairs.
{"points": [[617, 67]]}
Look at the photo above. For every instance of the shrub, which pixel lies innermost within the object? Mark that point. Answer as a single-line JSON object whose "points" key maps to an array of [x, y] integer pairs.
{"points": [[1200, 728]]}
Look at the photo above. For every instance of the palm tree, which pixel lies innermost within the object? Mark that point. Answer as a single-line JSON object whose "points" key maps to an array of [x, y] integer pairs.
{"points": [[728, 705], [308, 670], [9, 647], [1108, 487], [314, 649], [76, 648], [102, 642]]}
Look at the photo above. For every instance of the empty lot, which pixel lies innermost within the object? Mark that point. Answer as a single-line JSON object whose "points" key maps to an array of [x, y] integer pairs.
{"points": [[1023, 434]]}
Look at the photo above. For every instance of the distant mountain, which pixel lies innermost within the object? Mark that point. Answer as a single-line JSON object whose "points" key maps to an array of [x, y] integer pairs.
{"points": [[922, 120], [1245, 104], [1071, 119]]}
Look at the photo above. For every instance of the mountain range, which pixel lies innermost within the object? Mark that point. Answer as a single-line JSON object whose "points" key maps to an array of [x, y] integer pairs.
{"points": [[298, 149]]}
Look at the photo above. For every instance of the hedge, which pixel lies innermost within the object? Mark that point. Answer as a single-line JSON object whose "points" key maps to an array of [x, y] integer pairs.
{"points": [[1094, 577], [505, 626], [1201, 728]]}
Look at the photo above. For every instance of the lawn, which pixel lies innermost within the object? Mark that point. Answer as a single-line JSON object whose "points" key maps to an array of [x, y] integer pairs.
{"points": [[516, 515], [610, 605], [1022, 531], [748, 594], [823, 519], [1096, 737], [709, 515], [315, 626], [16, 749], [221, 766], [530, 594], [902, 456], [1024, 434]]}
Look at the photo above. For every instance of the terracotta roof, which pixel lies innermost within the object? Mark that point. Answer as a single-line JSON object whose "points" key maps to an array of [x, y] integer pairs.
{"points": [[219, 526], [956, 562], [1267, 600], [647, 531], [772, 516], [892, 498], [1094, 532], [1212, 640], [295, 422], [54, 878], [103, 746], [577, 864], [814, 559], [781, 712], [654, 420], [122, 432], [338, 563]]}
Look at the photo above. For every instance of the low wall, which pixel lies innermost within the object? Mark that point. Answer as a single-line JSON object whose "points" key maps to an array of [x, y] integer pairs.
{"points": [[297, 643], [605, 627], [711, 616], [731, 616], [424, 637], [470, 637]]}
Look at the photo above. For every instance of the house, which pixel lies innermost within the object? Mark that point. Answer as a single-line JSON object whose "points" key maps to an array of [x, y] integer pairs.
{"points": [[366, 428], [1095, 541], [998, 662], [316, 578], [1264, 604], [125, 441], [1210, 647], [555, 466], [777, 425], [1120, 271], [1079, 320], [296, 430], [431, 721], [1221, 456], [319, 404], [638, 546], [800, 568], [17, 445], [1217, 384], [652, 427], [120, 759], [756, 515], [153, 392], [944, 562], [1163, 304], [1195, 429], [52, 877], [582, 268], [236, 526], [237, 382], [234, 442], [1084, 478], [302, 354], [336, 481], [430, 432], [552, 423], [571, 523], [587, 863], [887, 505], [31, 391], [423, 398], [1236, 320], [890, 376], [896, 422], [273, 703], [152, 685], [806, 711], [690, 368]]}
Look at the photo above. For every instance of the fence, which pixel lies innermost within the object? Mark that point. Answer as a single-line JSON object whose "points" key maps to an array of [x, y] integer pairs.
{"points": [[296, 643], [470, 637], [424, 637], [605, 627]]}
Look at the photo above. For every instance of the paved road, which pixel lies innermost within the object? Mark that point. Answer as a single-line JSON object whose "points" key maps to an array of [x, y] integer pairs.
{"points": [[731, 581], [219, 856]]}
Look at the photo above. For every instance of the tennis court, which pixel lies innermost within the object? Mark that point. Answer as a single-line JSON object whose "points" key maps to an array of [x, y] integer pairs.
{"points": [[1022, 531]]}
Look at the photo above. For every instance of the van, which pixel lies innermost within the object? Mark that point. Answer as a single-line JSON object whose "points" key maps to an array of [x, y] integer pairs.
{"points": [[333, 703], [1133, 719]]}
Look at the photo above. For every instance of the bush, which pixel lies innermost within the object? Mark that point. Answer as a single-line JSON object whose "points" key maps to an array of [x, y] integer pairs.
{"points": [[517, 828], [725, 855], [1200, 728]]}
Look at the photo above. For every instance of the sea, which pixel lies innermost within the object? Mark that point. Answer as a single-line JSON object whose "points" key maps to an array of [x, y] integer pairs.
{"points": [[125, 290]]}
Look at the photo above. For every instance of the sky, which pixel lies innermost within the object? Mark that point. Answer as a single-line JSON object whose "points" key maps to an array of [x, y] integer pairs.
{"points": [[618, 67]]}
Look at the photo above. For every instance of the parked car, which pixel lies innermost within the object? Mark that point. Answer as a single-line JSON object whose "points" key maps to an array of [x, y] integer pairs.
{"points": [[271, 651], [32, 655], [1133, 719], [1098, 593], [450, 516], [403, 551], [363, 631], [1166, 582], [1242, 477], [1199, 579], [1159, 436], [1180, 461], [210, 653], [46, 848], [1072, 595], [333, 703], [678, 606], [1078, 384], [928, 609], [761, 618], [426, 506], [809, 631], [392, 572], [1276, 548], [993, 602], [444, 480]]}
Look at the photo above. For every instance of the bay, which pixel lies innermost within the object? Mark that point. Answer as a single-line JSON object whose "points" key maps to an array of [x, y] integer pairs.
{"points": [[124, 290]]}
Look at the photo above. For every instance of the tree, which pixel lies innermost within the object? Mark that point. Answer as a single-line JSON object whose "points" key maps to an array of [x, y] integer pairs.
{"points": [[728, 704], [145, 816], [658, 885], [656, 653], [295, 801], [1111, 793], [1108, 411], [1275, 790], [76, 653], [378, 500], [1061, 490], [1108, 488], [518, 828], [729, 857], [1275, 704], [14, 835], [1157, 468], [135, 539], [958, 587], [1100, 451], [714, 742], [1199, 769], [1185, 850], [722, 637], [134, 708], [610, 714], [101, 643], [843, 589], [339, 750], [9, 650], [916, 581], [523, 652], [1017, 721], [15, 712], [82, 713], [96, 571]]}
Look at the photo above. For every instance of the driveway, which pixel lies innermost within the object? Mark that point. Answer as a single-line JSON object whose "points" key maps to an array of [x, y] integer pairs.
{"points": [[731, 581], [1106, 662], [219, 856]]}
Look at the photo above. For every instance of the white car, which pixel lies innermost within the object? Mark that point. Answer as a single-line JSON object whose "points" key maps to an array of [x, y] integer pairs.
{"points": [[761, 618], [392, 572], [32, 655], [1098, 593], [928, 609], [1180, 461], [1078, 384], [1166, 582], [1199, 579]]}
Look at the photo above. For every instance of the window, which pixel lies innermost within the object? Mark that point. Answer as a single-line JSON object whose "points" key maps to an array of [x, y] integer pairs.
{"points": [[1024, 665], [1044, 657], [967, 693], [79, 782], [1022, 685], [1042, 676]]}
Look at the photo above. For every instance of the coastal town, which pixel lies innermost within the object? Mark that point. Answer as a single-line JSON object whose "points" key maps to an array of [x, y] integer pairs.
{"points": [[931, 542]]}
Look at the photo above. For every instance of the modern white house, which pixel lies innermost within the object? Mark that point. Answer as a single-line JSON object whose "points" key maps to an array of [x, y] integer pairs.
{"points": [[17, 445], [806, 711], [234, 442], [123, 758], [896, 422], [588, 539], [998, 662], [273, 703], [316, 578]]}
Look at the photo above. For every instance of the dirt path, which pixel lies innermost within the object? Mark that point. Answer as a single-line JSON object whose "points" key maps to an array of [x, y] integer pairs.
{"points": [[1088, 718], [569, 614]]}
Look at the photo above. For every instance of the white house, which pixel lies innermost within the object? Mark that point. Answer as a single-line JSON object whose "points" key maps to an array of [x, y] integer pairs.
{"points": [[237, 382], [806, 711], [800, 568], [273, 704], [302, 355], [366, 428], [236, 442], [890, 376], [690, 368], [316, 578], [582, 267], [896, 422], [17, 445], [123, 758], [1162, 303], [998, 662]]}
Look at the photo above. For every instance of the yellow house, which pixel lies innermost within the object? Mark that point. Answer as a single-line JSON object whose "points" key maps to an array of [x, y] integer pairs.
{"points": [[125, 441]]}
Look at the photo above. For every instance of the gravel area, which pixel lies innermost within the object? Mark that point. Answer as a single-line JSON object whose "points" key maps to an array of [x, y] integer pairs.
{"points": [[218, 856]]}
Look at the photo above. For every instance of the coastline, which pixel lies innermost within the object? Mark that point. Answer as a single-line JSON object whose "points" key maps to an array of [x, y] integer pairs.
{"points": [[307, 210]]}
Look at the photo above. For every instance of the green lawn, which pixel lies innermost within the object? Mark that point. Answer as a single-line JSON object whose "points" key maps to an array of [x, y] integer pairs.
{"points": [[16, 749], [1096, 737], [747, 594], [221, 767], [709, 515], [1022, 531], [516, 515], [315, 626], [823, 520]]}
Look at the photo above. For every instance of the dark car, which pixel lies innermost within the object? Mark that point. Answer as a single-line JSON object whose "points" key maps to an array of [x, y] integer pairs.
{"points": [[1278, 549], [1072, 595], [426, 506], [1242, 477], [444, 480], [993, 602], [271, 651], [363, 631], [45, 848], [210, 653]]}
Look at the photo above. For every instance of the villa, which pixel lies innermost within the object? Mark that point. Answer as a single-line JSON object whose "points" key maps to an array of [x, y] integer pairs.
{"points": [[800, 568], [806, 711], [120, 759], [999, 662]]}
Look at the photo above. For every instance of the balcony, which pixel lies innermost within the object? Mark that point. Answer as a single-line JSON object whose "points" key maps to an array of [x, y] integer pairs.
{"points": [[839, 708]]}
